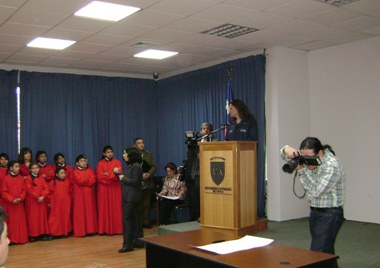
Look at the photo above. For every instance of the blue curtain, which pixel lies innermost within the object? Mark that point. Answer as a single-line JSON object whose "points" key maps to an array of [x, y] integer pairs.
{"points": [[8, 113], [76, 114], [187, 100]]}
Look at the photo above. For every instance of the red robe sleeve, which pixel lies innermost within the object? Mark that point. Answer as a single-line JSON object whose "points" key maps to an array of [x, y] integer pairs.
{"points": [[101, 169], [6, 195]]}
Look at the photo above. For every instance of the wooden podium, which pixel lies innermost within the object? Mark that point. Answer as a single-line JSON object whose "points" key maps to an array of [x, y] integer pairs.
{"points": [[228, 186]]}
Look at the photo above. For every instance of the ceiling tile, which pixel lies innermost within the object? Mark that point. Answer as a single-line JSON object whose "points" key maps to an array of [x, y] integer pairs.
{"points": [[258, 4], [15, 40], [313, 45], [129, 30], [261, 20], [6, 12], [370, 7], [223, 13], [122, 50], [76, 55], [152, 18], [182, 7], [4, 55], [294, 27], [82, 24], [37, 17], [22, 29], [361, 23], [9, 48], [88, 47], [107, 39], [194, 25], [11, 3], [335, 35], [332, 16], [25, 57], [165, 35], [66, 7], [299, 9], [67, 34], [202, 40]]}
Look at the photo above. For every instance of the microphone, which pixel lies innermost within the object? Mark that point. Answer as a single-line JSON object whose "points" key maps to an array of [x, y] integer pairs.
{"points": [[224, 125]]}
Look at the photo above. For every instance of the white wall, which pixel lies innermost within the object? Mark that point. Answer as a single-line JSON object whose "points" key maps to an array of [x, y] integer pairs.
{"points": [[288, 122], [345, 113]]}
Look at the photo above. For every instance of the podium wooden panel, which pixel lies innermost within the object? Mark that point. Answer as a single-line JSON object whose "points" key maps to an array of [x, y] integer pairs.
{"points": [[228, 187]]}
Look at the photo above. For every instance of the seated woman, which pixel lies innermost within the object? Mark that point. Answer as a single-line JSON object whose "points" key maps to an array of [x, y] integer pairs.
{"points": [[175, 191]]}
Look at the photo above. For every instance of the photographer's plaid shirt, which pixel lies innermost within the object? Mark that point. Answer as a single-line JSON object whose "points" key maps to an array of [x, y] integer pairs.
{"points": [[324, 185]]}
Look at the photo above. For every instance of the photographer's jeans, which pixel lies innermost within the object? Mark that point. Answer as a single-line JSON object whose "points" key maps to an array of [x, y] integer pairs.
{"points": [[324, 227]]}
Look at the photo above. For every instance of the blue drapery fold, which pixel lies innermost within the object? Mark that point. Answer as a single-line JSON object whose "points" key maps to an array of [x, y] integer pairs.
{"points": [[187, 100], [76, 114], [8, 113]]}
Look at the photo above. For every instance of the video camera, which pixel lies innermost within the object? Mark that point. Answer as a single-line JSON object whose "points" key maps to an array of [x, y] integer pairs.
{"points": [[292, 164], [191, 138]]}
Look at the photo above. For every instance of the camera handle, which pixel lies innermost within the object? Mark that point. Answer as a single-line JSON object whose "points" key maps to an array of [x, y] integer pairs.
{"points": [[294, 187]]}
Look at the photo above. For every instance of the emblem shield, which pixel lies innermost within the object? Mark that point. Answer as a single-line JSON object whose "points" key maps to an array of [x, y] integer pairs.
{"points": [[217, 170]]}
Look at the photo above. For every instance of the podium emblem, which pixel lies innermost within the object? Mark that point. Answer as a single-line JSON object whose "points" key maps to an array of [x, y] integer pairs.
{"points": [[217, 169]]}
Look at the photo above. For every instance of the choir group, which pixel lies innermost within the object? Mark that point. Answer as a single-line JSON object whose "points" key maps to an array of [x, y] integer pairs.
{"points": [[44, 201]]}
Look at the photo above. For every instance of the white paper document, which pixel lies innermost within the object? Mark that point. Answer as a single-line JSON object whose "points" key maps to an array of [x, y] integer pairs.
{"points": [[168, 197], [247, 242]]}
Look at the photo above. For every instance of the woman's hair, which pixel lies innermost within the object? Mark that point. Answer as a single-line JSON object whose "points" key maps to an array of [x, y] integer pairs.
{"points": [[79, 157], [315, 144], [105, 148], [39, 153], [241, 108], [172, 166], [57, 155], [23, 152], [133, 155]]}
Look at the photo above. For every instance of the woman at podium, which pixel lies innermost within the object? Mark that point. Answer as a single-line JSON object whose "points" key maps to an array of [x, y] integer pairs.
{"points": [[243, 125]]}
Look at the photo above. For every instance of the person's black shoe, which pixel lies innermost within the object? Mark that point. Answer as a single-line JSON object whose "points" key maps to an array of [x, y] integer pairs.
{"points": [[32, 239], [124, 250]]}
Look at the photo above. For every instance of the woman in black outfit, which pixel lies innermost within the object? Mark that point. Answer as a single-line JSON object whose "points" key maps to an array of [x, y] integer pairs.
{"points": [[131, 195]]}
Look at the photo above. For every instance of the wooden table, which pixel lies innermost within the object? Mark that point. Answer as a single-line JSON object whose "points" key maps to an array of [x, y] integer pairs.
{"points": [[177, 250]]}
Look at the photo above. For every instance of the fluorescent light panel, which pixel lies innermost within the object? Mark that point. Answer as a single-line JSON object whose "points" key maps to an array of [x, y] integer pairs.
{"points": [[106, 11], [50, 43], [155, 54]]}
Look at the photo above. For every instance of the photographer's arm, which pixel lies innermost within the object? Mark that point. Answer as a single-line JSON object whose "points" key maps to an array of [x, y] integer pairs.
{"points": [[326, 180]]}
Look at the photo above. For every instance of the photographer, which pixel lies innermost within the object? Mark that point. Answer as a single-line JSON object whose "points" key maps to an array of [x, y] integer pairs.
{"points": [[192, 170], [324, 186]]}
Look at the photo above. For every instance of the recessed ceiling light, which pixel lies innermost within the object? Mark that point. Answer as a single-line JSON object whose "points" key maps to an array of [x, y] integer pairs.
{"points": [[50, 43], [337, 3], [106, 11], [230, 31], [155, 54]]}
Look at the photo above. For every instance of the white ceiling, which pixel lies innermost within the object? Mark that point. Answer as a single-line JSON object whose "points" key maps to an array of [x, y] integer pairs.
{"points": [[107, 47]]}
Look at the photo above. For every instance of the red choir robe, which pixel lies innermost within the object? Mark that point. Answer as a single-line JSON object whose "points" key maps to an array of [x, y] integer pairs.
{"points": [[60, 220], [3, 173], [24, 170], [46, 171], [14, 187], [109, 197], [84, 216], [69, 177], [36, 212]]}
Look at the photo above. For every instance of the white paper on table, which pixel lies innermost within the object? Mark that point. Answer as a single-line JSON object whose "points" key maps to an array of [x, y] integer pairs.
{"points": [[168, 197], [247, 242]]}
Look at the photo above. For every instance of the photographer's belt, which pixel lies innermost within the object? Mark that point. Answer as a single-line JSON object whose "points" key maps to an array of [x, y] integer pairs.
{"points": [[325, 209]]}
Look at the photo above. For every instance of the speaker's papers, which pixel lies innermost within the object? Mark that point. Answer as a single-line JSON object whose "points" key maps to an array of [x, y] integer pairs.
{"points": [[247, 242]]}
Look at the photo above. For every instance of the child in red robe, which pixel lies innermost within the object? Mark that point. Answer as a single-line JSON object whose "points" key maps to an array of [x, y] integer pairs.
{"points": [[46, 171], [14, 194], [35, 205], [109, 194], [4, 160], [84, 216], [25, 159], [60, 214]]}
